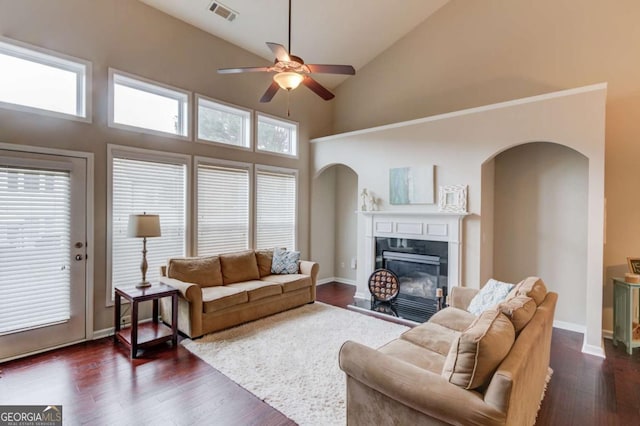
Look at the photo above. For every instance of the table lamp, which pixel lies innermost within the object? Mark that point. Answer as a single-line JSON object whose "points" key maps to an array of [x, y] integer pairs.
{"points": [[144, 226]]}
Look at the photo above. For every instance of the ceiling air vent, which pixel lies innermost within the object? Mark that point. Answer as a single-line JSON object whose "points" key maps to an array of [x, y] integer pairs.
{"points": [[223, 11]]}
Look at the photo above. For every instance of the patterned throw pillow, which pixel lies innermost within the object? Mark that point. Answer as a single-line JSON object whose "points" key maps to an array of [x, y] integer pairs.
{"points": [[284, 261], [489, 296]]}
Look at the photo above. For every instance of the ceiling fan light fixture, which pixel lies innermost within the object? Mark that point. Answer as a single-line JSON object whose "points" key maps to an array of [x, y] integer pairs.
{"points": [[288, 80]]}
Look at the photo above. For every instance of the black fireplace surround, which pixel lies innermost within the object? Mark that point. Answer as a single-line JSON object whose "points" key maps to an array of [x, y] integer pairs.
{"points": [[421, 267]]}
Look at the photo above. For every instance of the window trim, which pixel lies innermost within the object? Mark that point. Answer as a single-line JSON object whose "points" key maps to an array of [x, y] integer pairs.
{"points": [[81, 67], [281, 170], [269, 117], [224, 106], [140, 154], [157, 88], [209, 161]]}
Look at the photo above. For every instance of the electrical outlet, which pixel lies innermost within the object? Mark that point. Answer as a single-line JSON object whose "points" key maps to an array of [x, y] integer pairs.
{"points": [[125, 319], [342, 264]]}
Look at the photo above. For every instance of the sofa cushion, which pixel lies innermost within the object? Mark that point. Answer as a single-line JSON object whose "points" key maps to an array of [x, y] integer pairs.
{"points": [[285, 261], [431, 336], [258, 289], [221, 297], [204, 271], [453, 318], [478, 351], [264, 258], [489, 296], [413, 354], [291, 282], [519, 310], [533, 287], [240, 266]]}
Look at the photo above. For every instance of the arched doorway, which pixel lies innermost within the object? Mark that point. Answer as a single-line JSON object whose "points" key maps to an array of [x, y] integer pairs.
{"points": [[540, 204], [334, 223]]}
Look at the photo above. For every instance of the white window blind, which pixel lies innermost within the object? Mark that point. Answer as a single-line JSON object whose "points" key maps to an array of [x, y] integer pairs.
{"points": [[154, 188], [223, 209], [275, 209], [35, 222]]}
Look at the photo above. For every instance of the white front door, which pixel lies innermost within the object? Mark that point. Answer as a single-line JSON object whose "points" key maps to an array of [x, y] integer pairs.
{"points": [[42, 252]]}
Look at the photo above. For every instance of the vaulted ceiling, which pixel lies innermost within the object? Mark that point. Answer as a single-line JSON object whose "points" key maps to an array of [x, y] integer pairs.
{"points": [[324, 32]]}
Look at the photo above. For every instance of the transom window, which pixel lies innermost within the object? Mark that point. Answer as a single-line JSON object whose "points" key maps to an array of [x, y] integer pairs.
{"points": [[42, 81], [147, 106], [277, 135], [222, 123]]}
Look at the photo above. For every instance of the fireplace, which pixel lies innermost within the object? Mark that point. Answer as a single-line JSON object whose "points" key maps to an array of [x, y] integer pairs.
{"points": [[421, 267], [432, 237]]}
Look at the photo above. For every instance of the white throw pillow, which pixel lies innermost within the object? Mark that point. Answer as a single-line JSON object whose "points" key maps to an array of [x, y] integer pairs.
{"points": [[489, 296]]}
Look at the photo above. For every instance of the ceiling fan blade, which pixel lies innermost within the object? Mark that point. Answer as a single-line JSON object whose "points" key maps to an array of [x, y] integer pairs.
{"points": [[331, 69], [279, 51], [243, 69], [317, 88], [270, 93]]}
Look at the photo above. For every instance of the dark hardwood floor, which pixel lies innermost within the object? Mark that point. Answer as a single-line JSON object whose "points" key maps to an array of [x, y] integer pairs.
{"points": [[97, 384]]}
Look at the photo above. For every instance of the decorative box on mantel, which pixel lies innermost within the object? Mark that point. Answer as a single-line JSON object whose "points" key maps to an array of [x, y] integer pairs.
{"points": [[426, 226]]}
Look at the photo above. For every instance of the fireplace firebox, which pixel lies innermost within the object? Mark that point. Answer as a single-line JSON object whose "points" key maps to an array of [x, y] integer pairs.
{"points": [[422, 269]]}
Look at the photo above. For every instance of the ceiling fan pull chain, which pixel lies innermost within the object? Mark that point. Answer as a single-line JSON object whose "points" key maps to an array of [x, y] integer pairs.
{"points": [[288, 102]]}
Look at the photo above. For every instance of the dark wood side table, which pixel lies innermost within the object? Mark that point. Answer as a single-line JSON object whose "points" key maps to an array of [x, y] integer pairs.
{"points": [[140, 336]]}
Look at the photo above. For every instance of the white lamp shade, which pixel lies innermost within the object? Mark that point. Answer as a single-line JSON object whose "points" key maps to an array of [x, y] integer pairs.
{"points": [[144, 225], [288, 80]]}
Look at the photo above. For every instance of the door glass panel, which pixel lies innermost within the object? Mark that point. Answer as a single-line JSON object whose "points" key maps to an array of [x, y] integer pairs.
{"points": [[35, 222]]}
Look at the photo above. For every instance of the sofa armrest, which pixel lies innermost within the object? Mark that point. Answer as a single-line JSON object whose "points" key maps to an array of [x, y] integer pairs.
{"points": [[460, 297], [420, 389], [307, 267], [190, 291]]}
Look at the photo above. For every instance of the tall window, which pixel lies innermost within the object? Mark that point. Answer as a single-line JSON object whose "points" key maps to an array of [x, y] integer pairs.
{"points": [[153, 186], [42, 81], [276, 193], [277, 136], [222, 123], [223, 207], [147, 106]]}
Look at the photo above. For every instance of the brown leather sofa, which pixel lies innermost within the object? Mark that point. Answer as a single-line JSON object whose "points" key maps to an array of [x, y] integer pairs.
{"points": [[458, 368], [218, 292]]}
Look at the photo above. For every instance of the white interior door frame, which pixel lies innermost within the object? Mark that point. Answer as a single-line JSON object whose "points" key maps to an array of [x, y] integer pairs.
{"points": [[89, 199]]}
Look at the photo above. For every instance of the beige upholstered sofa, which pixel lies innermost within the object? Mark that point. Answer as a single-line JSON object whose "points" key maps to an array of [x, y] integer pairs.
{"points": [[457, 368], [218, 292]]}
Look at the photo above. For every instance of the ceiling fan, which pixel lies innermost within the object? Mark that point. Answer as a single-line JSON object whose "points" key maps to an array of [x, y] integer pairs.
{"points": [[290, 71]]}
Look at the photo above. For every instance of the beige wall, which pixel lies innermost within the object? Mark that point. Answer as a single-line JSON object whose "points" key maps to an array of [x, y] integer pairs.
{"points": [[132, 37], [472, 53], [333, 231], [346, 221], [541, 222], [463, 145], [323, 218]]}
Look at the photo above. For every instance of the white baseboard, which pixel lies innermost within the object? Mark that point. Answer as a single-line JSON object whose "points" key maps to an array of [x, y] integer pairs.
{"points": [[106, 332], [337, 280], [570, 326], [607, 334], [593, 350]]}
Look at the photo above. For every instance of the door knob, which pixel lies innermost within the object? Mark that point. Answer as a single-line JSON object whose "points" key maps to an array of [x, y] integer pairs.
{"points": [[79, 257]]}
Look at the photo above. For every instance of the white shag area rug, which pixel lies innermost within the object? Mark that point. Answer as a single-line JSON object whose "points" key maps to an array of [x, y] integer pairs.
{"points": [[290, 360]]}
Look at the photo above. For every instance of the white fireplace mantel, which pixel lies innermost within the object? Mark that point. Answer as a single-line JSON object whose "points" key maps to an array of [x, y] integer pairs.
{"points": [[431, 226]]}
